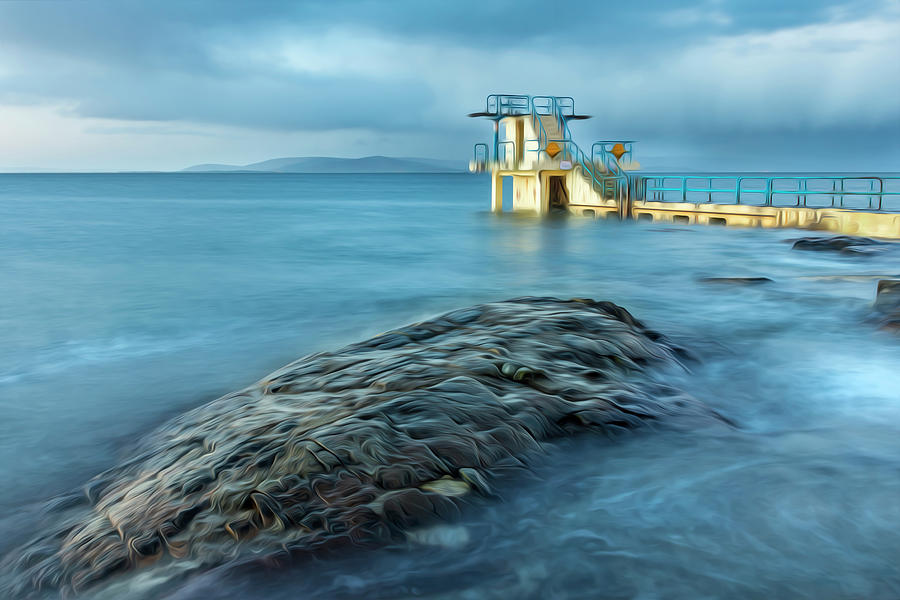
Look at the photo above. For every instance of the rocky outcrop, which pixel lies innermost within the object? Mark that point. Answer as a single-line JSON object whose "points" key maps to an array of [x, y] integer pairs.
{"points": [[356, 447], [887, 303], [736, 280], [841, 243]]}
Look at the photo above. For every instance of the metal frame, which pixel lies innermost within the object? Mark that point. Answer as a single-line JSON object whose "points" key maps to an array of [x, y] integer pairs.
{"points": [[657, 188], [506, 153], [503, 105], [615, 182], [617, 185]]}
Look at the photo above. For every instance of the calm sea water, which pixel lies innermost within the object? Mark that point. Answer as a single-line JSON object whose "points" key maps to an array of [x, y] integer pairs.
{"points": [[126, 299]]}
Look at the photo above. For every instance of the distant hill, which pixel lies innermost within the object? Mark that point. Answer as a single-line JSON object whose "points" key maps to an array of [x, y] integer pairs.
{"points": [[324, 164]]}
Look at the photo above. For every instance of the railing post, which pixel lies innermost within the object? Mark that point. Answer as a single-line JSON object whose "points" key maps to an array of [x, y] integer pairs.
{"points": [[496, 138], [684, 189]]}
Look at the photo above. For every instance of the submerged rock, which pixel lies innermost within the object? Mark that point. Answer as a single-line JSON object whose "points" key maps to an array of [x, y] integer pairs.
{"points": [[841, 243], [887, 303], [356, 447], [445, 536], [736, 280]]}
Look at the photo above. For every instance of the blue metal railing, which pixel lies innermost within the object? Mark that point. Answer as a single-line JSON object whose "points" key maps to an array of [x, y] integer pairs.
{"points": [[604, 169], [850, 192], [602, 152], [612, 182], [561, 107], [508, 104], [542, 138], [481, 156], [506, 153]]}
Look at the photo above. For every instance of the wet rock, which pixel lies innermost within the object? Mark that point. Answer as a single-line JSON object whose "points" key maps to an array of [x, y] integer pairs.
{"points": [[887, 303], [847, 277], [841, 243], [736, 280], [447, 486], [474, 479], [887, 295], [359, 446]]}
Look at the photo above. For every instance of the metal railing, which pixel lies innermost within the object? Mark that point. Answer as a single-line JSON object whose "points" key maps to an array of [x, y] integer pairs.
{"points": [[508, 104], [506, 154], [811, 191], [602, 153], [481, 156], [553, 105], [561, 107], [542, 137], [613, 182], [605, 172]]}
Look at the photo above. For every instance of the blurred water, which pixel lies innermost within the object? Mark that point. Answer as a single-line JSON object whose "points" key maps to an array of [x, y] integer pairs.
{"points": [[125, 299]]}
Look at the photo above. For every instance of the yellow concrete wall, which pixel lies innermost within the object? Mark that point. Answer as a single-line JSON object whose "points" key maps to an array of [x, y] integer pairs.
{"points": [[584, 200], [885, 225], [526, 193], [496, 192], [531, 171], [708, 214], [531, 160], [530, 193], [520, 160]]}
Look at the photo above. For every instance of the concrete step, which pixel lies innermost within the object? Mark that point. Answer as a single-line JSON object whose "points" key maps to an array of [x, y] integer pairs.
{"points": [[551, 126]]}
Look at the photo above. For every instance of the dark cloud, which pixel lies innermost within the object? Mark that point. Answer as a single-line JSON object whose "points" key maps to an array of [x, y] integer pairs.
{"points": [[299, 102], [220, 63]]}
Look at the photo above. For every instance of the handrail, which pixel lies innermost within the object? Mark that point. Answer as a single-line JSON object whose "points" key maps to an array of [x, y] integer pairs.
{"points": [[560, 107], [542, 133], [835, 188], [605, 170], [480, 160], [614, 183], [504, 156], [605, 147], [507, 104]]}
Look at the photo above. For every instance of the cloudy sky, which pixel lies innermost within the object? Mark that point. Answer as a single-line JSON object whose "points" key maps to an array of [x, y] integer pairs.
{"points": [[711, 84]]}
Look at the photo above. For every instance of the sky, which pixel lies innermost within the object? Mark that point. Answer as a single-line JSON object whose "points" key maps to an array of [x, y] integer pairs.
{"points": [[710, 84]]}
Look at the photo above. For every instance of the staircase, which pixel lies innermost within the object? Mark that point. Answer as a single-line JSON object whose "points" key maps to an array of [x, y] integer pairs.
{"points": [[603, 169], [549, 119]]}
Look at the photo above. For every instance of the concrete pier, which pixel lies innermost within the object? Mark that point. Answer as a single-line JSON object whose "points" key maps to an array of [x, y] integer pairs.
{"points": [[532, 145]]}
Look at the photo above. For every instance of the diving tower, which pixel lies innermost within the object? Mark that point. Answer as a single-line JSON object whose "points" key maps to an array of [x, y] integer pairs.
{"points": [[532, 144]]}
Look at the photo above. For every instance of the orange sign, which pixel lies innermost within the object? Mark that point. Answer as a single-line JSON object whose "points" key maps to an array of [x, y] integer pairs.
{"points": [[553, 149], [618, 150]]}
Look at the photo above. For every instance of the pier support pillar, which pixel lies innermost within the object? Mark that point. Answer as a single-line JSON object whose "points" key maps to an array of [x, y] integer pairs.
{"points": [[541, 191], [496, 192]]}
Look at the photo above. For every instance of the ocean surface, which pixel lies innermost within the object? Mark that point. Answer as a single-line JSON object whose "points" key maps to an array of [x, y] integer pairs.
{"points": [[126, 299]]}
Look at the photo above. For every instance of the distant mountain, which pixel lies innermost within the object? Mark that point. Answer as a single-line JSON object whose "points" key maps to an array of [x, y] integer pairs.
{"points": [[324, 164]]}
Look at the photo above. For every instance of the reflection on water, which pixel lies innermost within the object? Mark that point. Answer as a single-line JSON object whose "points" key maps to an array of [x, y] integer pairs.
{"points": [[130, 298]]}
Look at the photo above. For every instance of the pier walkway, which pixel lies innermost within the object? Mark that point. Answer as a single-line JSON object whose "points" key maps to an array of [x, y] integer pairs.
{"points": [[532, 144]]}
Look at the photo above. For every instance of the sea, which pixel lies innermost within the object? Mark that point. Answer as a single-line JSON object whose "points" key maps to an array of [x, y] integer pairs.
{"points": [[127, 299]]}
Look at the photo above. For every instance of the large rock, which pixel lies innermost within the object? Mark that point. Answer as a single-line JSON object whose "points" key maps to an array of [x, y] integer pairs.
{"points": [[355, 447], [841, 243], [887, 303], [736, 280]]}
